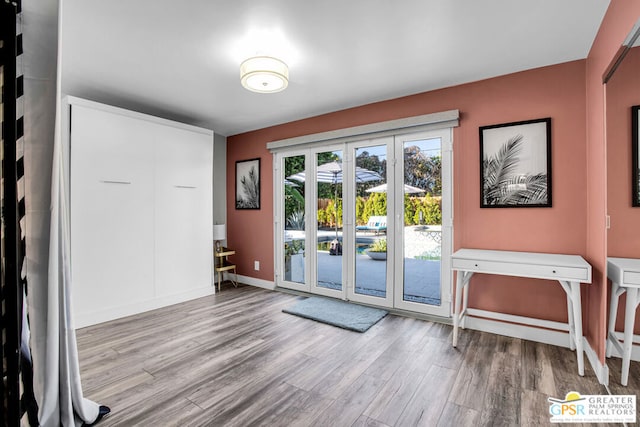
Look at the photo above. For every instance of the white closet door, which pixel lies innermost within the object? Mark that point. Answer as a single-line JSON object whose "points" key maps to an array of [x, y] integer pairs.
{"points": [[111, 213], [184, 211]]}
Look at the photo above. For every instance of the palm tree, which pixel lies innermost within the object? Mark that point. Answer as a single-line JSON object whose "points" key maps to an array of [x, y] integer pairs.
{"points": [[502, 186]]}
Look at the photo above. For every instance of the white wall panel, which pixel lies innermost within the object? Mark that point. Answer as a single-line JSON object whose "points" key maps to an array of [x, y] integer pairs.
{"points": [[141, 212], [183, 211], [111, 211]]}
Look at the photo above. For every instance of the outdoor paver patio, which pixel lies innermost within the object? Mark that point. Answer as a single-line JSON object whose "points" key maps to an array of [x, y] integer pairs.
{"points": [[422, 277]]}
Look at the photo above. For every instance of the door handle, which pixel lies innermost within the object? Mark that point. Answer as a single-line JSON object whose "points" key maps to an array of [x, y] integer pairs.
{"points": [[107, 181]]}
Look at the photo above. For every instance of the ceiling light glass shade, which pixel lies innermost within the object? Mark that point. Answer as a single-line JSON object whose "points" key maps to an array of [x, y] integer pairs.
{"points": [[264, 74]]}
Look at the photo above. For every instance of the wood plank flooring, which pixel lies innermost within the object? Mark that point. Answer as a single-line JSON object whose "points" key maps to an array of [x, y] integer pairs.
{"points": [[234, 359]]}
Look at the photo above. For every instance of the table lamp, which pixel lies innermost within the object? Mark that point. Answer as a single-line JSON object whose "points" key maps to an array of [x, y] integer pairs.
{"points": [[219, 233]]}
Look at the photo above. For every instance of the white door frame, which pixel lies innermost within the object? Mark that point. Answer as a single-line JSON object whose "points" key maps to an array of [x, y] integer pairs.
{"points": [[350, 214], [313, 225], [395, 221], [446, 138], [280, 221]]}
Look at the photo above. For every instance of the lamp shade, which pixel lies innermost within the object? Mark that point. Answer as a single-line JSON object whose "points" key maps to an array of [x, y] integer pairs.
{"points": [[219, 232], [264, 74]]}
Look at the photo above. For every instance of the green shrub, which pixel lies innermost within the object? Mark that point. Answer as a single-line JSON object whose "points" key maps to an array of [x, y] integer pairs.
{"points": [[432, 211], [330, 213], [379, 246], [410, 207], [375, 205], [429, 206], [295, 221], [360, 219], [322, 216]]}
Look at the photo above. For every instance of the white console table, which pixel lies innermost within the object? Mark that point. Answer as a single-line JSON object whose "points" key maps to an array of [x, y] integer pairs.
{"points": [[625, 277], [568, 270]]}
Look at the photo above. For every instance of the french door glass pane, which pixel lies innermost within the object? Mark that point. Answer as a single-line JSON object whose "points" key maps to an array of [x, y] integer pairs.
{"points": [[294, 220], [422, 221], [371, 221], [329, 202]]}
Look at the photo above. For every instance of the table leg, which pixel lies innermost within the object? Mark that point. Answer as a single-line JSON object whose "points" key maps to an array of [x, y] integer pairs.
{"points": [[577, 325], [629, 320], [465, 301], [456, 306], [571, 320], [613, 312]]}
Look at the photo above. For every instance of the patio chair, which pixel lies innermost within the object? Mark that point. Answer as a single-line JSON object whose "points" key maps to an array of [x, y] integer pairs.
{"points": [[375, 223]]}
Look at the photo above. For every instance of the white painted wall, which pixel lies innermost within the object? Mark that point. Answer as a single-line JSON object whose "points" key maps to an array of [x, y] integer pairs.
{"points": [[220, 180]]}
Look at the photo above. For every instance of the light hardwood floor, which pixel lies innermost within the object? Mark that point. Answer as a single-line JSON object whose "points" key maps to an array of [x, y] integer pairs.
{"points": [[234, 359]]}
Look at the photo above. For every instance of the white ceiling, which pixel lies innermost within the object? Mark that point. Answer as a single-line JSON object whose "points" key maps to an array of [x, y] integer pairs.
{"points": [[180, 59]]}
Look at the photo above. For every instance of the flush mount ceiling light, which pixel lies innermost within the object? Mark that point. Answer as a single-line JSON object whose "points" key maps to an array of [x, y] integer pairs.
{"points": [[264, 74]]}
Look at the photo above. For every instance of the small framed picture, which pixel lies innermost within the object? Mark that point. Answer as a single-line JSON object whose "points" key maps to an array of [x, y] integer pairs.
{"points": [[248, 184], [635, 157], [515, 165]]}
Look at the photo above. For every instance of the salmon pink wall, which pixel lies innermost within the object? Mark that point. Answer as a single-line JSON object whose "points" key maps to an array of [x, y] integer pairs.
{"points": [[250, 232], [622, 92], [556, 91], [618, 21], [623, 238]]}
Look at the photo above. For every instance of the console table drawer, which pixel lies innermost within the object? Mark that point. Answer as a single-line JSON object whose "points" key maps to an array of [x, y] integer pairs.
{"points": [[522, 270], [631, 278]]}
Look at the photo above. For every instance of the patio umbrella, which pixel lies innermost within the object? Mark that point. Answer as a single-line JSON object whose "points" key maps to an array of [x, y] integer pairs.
{"points": [[407, 189], [332, 173]]}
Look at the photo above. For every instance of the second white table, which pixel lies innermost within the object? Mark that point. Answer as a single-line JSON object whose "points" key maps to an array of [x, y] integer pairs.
{"points": [[625, 277]]}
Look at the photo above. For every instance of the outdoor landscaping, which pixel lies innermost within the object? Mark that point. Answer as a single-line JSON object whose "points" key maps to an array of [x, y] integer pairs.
{"points": [[417, 210], [421, 243]]}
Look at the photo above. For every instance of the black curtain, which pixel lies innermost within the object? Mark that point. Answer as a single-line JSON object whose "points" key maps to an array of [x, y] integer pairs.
{"points": [[16, 358]]}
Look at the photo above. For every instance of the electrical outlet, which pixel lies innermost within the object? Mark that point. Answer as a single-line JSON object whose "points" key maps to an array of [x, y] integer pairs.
{"points": [[256, 265]]}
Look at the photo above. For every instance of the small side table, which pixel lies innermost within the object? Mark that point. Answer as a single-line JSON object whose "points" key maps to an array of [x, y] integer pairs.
{"points": [[223, 264], [625, 277]]}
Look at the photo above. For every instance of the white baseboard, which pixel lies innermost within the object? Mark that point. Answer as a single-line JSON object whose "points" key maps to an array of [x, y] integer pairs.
{"points": [[260, 283], [601, 370], [82, 320], [531, 333]]}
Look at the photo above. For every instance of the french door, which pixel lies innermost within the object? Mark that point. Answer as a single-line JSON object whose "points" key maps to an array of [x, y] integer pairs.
{"points": [[424, 225], [368, 221]]}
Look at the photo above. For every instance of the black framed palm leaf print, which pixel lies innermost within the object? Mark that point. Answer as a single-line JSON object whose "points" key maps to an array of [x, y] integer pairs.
{"points": [[248, 184], [635, 156], [515, 164]]}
